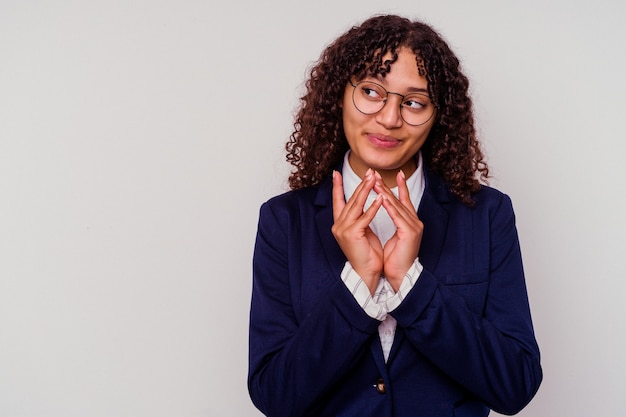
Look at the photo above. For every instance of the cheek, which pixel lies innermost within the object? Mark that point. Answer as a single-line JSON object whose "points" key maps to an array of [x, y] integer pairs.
{"points": [[425, 131], [345, 103], [353, 121], [347, 113]]}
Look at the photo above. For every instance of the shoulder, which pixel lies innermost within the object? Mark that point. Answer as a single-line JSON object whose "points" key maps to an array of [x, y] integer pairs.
{"points": [[494, 207], [292, 199], [489, 197], [293, 204], [290, 214]]}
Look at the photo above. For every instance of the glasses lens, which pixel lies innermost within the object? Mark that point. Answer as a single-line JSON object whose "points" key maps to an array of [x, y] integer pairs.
{"points": [[369, 98], [416, 109]]}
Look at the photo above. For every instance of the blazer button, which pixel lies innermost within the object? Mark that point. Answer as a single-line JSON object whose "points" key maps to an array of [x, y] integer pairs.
{"points": [[380, 386]]}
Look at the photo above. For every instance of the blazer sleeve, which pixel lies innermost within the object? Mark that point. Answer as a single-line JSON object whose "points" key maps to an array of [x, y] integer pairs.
{"points": [[294, 360], [493, 352]]}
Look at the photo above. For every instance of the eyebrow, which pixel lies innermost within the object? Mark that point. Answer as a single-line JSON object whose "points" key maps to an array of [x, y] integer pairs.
{"points": [[383, 82], [417, 90]]}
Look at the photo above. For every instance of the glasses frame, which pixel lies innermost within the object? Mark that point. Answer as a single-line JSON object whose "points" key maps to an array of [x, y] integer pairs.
{"points": [[402, 96]]}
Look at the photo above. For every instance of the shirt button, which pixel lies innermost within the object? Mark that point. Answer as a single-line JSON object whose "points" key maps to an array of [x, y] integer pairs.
{"points": [[380, 386]]}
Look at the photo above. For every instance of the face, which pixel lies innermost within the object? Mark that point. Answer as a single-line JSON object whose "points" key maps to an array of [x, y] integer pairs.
{"points": [[384, 141]]}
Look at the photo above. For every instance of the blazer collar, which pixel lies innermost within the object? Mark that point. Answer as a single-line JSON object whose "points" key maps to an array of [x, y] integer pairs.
{"points": [[431, 211]]}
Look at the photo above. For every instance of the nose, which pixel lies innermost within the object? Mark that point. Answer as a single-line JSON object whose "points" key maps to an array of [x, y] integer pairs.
{"points": [[389, 116]]}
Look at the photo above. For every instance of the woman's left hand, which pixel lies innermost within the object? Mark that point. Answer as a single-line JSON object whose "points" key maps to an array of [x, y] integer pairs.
{"points": [[402, 248]]}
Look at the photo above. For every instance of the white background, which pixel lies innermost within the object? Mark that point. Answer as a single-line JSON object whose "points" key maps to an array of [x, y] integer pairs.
{"points": [[139, 138]]}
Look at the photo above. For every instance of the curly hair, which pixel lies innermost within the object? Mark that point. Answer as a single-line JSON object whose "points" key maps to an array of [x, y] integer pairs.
{"points": [[451, 150]]}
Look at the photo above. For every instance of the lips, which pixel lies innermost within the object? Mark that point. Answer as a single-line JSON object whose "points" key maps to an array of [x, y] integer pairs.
{"points": [[383, 141]]}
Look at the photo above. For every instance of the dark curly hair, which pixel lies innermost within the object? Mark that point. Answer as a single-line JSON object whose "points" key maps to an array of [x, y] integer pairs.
{"points": [[451, 150]]}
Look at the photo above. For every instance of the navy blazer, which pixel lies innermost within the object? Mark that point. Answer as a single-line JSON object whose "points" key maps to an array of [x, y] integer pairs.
{"points": [[464, 341]]}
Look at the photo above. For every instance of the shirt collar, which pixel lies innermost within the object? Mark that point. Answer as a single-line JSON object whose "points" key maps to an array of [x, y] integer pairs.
{"points": [[415, 183]]}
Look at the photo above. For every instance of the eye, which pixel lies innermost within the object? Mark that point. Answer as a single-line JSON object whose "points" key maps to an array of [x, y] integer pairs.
{"points": [[372, 91], [415, 102]]}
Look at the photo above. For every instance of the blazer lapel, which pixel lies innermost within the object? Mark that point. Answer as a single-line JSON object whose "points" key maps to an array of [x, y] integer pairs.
{"points": [[379, 359], [435, 219], [324, 222]]}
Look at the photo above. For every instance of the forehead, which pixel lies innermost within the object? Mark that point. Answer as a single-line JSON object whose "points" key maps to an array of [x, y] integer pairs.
{"points": [[383, 63], [402, 68]]}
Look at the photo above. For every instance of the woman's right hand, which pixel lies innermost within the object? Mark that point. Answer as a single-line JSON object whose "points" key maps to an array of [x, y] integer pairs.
{"points": [[351, 229]]}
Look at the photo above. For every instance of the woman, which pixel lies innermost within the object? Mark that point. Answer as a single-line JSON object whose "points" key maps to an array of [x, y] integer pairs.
{"points": [[363, 305]]}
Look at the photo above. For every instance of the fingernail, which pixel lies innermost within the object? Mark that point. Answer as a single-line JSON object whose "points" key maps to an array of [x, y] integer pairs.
{"points": [[368, 173], [402, 174]]}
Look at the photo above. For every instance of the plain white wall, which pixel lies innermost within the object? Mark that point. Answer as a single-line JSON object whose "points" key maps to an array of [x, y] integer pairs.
{"points": [[138, 139]]}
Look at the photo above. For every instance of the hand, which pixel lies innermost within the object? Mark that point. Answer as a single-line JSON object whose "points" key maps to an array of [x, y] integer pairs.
{"points": [[351, 229], [402, 248]]}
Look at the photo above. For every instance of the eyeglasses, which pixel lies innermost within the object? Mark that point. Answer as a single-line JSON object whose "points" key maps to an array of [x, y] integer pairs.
{"points": [[370, 98]]}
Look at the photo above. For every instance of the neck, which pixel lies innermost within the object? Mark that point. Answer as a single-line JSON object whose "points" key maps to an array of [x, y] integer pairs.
{"points": [[389, 176]]}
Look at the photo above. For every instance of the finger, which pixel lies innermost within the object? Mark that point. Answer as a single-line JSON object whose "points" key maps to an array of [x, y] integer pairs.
{"points": [[403, 190], [339, 200], [403, 217], [371, 211], [382, 188], [356, 203], [397, 212], [402, 203]]}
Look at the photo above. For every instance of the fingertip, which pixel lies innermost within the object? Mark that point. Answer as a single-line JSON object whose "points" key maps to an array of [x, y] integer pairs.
{"points": [[403, 189], [401, 177]]}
